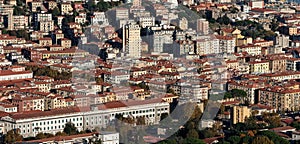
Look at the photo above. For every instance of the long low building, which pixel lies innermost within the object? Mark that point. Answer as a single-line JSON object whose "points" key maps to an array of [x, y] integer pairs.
{"points": [[14, 75], [33, 122]]}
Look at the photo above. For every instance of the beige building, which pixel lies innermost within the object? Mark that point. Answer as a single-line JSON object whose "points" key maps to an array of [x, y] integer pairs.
{"points": [[64, 42], [66, 8], [293, 30], [250, 49], [280, 98], [240, 113], [132, 40], [46, 26], [80, 19], [259, 67], [34, 5], [227, 43], [249, 86], [45, 41], [183, 24], [203, 26], [20, 22], [7, 10], [278, 64], [44, 17]]}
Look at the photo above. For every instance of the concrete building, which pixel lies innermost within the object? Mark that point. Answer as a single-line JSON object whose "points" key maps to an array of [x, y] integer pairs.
{"points": [[46, 26], [256, 4], [20, 22], [282, 41], [132, 40], [146, 21], [207, 45], [227, 43], [203, 26], [122, 13]]}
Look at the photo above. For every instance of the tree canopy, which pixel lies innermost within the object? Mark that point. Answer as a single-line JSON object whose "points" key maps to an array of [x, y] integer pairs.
{"points": [[70, 129]]}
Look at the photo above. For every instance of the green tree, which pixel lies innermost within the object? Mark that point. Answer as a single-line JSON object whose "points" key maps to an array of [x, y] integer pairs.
{"points": [[70, 129], [262, 140], [234, 139], [192, 133], [43, 135], [55, 12], [18, 11], [192, 141], [60, 134], [12, 136], [273, 137], [273, 119], [296, 125]]}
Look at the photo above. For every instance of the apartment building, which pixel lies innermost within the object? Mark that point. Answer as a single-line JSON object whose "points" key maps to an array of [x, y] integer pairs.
{"points": [[45, 41], [207, 45], [46, 26], [240, 113], [280, 98], [278, 64], [203, 26], [227, 44], [6, 39], [160, 38], [66, 8], [293, 64], [132, 40], [31, 123], [20, 22], [80, 19], [250, 49], [259, 66], [281, 76], [250, 87], [146, 21], [122, 13]]}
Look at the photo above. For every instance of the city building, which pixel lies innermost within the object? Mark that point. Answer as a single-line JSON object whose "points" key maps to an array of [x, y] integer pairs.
{"points": [[132, 40], [203, 26]]}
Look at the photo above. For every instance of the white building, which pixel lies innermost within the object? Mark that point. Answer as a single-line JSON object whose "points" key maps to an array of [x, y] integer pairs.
{"points": [[109, 137], [13, 75], [207, 45], [227, 44], [99, 18], [116, 77], [33, 122], [146, 21], [160, 38]]}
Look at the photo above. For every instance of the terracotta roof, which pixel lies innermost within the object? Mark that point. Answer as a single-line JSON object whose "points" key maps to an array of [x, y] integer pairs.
{"points": [[34, 114]]}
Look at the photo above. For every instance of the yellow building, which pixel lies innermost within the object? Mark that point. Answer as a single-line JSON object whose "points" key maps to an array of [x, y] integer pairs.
{"points": [[259, 66], [240, 113], [57, 101], [292, 30], [45, 41]]}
